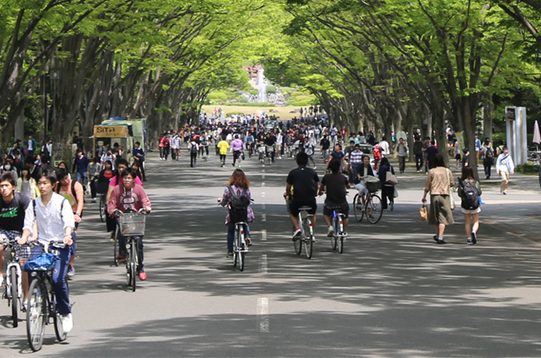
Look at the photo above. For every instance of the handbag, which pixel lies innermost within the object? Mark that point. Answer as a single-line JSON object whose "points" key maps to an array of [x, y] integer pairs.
{"points": [[423, 213], [395, 193], [390, 178]]}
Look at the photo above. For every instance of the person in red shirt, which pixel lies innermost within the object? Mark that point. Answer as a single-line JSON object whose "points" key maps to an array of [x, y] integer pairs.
{"points": [[129, 197]]}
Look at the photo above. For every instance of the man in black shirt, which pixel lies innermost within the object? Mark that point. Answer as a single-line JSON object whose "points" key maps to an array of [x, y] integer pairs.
{"points": [[335, 185], [301, 189], [12, 208]]}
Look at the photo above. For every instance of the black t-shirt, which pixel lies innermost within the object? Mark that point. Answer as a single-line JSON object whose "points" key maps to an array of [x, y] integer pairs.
{"points": [[335, 188], [304, 181], [12, 214]]}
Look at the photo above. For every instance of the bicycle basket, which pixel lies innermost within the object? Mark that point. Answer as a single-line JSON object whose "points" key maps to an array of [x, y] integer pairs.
{"points": [[132, 224], [43, 262], [373, 186]]}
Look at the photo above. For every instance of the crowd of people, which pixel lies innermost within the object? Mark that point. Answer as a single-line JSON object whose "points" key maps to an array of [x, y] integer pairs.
{"points": [[43, 200]]}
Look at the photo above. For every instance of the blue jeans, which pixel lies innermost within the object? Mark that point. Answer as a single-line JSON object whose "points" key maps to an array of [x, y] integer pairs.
{"points": [[60, 285], [82, 178], [231, 235]]}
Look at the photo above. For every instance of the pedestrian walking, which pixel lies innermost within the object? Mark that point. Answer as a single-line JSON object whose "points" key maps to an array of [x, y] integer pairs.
{"points": [[470, 192], [387, 189], [487, 153], [438, 184], [505, 168], [402, 150]]}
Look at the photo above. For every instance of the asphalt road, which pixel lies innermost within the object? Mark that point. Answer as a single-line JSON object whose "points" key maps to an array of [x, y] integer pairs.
{"points": [[392, 293]]}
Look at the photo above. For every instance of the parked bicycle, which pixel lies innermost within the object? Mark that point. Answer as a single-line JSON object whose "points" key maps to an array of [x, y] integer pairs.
{"points": [[13, 286], [368, 205], [339, 234], [306, 237], [131, 225], [41, 301]]}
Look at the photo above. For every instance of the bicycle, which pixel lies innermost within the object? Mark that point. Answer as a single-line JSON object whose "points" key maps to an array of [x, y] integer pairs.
{"points": [[131, 225], [102, 206], [13, 285], [339, 235], [368, 205], [239, 245], [306, 238], [41, 301]]}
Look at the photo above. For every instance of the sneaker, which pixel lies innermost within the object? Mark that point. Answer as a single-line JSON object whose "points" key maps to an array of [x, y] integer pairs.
{"points": [[474, 238], [71, 271], [67, 322], [142, 276], [439, 241], [469, 242], [296, 234], [93, 200], [330, 232], [229, 254], [23, 306], [248, 241]]}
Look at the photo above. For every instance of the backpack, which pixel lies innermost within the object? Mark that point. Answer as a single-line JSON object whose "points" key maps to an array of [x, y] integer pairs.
{"points": [[469, 194], [238, 204], [193, 149], [489, 153]]}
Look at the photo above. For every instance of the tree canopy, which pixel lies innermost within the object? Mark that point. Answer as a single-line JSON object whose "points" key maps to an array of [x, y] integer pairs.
{"points": [[372, 64]]}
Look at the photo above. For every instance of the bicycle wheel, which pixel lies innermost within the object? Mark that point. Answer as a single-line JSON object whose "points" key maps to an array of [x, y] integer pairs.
{"points": [[115, 246], [102, 208], [242, 256], [373, 209], [334, 237], [297, 245], [58, 328], [133, 265], [308, 240], [36, 314], [358, 209], [341, 244], [308, 246], [14, 300]]}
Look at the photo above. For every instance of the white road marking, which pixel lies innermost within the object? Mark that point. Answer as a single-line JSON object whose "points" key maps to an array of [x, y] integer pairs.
{"points": [[263, 264], [262, 183], [263, 315], [263, 218], [264, 235]]}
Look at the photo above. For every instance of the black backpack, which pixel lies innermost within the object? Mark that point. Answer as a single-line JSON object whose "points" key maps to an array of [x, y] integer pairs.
{"points": [[238, 204], [469, 194], [193, 149]]}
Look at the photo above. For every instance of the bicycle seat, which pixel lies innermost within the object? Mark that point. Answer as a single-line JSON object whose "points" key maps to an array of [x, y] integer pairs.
{"points": [[334, 207], [305, 208]]}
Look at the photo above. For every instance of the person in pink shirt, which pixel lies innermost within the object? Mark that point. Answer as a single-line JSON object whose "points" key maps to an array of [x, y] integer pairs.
{"points": [[237, 146], [129, 197]]}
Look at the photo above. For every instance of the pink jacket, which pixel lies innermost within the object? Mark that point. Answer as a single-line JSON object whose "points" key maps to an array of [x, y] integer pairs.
{"points": [[125, 201]]}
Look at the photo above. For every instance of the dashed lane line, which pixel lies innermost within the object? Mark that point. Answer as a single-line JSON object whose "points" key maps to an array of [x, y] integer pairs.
{"points": [[263, 324]]}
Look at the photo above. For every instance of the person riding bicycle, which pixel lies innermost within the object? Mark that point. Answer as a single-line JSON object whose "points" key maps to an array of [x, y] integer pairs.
{"points": [[363, 173], [129, 197], [301, 190], [237, 185], [335, 185], [12, 209], [74, 193], [52, 214]]}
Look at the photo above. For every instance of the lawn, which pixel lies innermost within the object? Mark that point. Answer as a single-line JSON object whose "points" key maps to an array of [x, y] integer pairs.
{"points": [[284, 113]]}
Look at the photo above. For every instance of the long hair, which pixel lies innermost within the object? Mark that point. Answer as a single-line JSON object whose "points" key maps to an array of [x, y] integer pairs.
{"points": [[467, 173], [239, 179]]}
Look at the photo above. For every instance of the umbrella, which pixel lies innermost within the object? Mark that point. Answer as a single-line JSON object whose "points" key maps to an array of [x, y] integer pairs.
{"points": [[536, 134]]}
